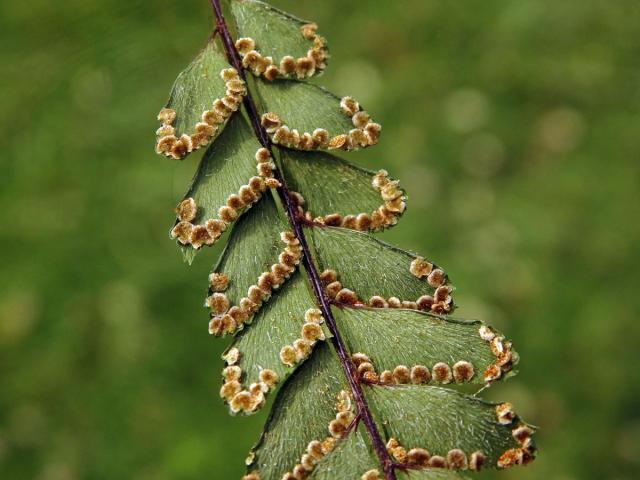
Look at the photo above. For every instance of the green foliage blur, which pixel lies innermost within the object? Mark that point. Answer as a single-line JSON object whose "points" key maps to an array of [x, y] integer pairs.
{"points": [[513, 125]]}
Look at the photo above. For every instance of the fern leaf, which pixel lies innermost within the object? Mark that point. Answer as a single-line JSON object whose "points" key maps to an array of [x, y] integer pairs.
{"points": [[349, 196], [441, 351], [257, 360], [299, 421], [353, 333], [203, 98], [230, 179], [238, 280], [465, 432], [304, 116], [379, 274], [275, 44]]}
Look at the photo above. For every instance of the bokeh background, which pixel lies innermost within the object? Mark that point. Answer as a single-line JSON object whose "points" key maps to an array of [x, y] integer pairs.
{"points": [[514, 127]]}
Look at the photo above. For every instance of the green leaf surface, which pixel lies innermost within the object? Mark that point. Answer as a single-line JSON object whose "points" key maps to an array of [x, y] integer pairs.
{"points": [[439, 420], [329, 184], [276, 33], [227, 165], [303, 106], [366, 265], [351, 457], [301, 413], [392, 337], [277, 324], [197, 87], [253, 247]]}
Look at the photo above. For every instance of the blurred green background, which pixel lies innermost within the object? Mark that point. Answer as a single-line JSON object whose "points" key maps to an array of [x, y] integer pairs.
{"points": [[513, 125]]}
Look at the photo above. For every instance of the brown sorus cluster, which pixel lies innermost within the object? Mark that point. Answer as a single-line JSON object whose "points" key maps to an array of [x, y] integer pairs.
{"points": [[419, 458], [282, 135], [218, 282], [373, 474], [211, 230], [515, 456], [170, 145], [441, 372], [441, 301], [364, 134], [316, 450], [333, 289], [248, 400], [501, 349], [288, 67], [227, 319], [311, 333], [244, 400], [523, 434]]}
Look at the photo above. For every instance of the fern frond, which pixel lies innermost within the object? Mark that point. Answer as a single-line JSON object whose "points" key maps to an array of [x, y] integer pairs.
{"points": [[355, 335]]}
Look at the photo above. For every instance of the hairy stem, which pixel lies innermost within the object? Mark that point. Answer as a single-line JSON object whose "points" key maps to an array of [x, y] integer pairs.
{"points": [[364, 412]]}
